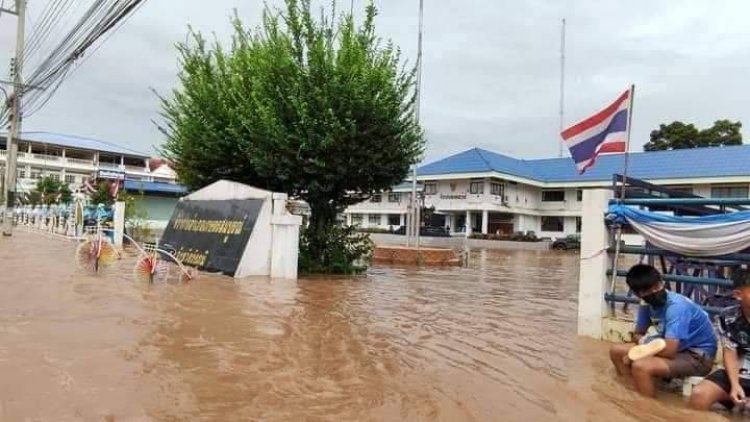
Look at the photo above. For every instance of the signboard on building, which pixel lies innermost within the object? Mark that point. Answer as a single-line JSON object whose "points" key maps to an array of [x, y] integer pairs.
{"points": [[211, 235], [111, 174]]}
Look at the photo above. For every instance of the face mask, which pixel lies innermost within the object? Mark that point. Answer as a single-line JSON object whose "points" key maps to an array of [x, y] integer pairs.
{"points": [[657, 299]]}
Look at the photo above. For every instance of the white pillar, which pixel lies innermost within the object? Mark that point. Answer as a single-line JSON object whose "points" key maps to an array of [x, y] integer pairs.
{"points": [[119, 222], [468, 223], [348, 219], [593, 281], [485, 221], [285, 239]]}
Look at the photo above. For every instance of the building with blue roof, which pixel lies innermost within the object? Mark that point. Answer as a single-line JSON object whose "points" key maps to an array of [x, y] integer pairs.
{"points": [[75, 159], [483, 191]]}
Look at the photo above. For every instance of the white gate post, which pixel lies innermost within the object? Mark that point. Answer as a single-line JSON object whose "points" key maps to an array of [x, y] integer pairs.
{"points": [[593, 280]]}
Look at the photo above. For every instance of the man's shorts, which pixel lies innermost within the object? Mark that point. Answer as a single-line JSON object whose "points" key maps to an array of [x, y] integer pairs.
{"points": [[721, 379], [690, 363]]}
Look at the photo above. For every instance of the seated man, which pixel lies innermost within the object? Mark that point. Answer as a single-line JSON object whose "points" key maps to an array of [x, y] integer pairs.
{"points": [[731, 385], [685, 327]]}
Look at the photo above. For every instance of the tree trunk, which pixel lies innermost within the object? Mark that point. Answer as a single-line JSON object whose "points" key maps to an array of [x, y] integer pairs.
{"points": [[322, 219]]}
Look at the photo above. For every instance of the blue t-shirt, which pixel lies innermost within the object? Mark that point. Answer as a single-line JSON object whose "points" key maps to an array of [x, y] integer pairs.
{"points": [[680, 319]]}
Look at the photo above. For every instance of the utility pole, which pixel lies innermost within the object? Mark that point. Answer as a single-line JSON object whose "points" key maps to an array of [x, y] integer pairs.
{"points": [[11, 143], [415, 205]]}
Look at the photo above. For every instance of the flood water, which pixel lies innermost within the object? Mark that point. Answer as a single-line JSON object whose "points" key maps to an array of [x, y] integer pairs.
{"points": [[491, 342]]}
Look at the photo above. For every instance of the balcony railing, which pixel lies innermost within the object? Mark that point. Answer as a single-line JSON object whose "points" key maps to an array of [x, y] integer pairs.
{"points": [[109, 166], [46, 157], [80, 161], [141, 169]]}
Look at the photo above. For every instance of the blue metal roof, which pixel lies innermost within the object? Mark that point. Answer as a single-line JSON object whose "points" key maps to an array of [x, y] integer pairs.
{"points": [[71, 141], [138, 185], [675, 164]]}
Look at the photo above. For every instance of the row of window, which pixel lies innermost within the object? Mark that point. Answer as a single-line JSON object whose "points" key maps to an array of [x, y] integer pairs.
{"points": [[392, 197], [374, 219], [36, 175], [496, 188], [557, 224]]}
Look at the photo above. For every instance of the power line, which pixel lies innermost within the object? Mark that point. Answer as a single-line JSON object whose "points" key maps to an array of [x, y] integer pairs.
{"points": [[101, 18]]}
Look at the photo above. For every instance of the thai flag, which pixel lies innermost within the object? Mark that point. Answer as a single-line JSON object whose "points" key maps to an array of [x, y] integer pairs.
{"points": [[604, 132]]}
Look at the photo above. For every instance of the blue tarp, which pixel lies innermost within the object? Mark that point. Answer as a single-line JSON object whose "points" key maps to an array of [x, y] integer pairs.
{"points": [[619, 214]]}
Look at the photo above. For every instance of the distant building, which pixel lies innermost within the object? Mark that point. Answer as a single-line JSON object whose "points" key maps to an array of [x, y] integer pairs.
{"points": [[74, 159], [485, 192]]}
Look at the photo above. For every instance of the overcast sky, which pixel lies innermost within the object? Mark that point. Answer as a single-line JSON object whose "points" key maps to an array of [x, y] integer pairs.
{"points": [[491, 67]]}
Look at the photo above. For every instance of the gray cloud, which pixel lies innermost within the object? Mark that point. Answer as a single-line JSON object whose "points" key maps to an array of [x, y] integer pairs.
{"points": [[491, 68]]}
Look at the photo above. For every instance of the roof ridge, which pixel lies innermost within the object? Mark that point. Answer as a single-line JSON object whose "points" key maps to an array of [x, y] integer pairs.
{"points": [[487, 163]]}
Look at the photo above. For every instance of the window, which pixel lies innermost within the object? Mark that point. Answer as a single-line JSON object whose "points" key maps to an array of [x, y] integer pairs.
{"points": [[70, 179], [685, 190], [378, 197], [476, 188], [36, 174], [394, 219], [579, 195], [497, 188], [729, 192], [553, 196], [356, 219], [578, 224], [55, 177], [394, 197], [430, 188], [552, 224], [373, 219], [21, 174]]}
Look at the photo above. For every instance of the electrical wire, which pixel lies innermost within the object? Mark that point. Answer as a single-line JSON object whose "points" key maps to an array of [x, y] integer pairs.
{"points": [[102, 17]]}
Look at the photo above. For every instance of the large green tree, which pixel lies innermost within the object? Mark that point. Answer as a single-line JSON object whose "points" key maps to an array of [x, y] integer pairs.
{"points": [[678, 135], [316, 107]]}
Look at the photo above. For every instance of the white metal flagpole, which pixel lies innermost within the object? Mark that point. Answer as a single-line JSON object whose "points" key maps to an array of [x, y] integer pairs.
{"points": [[623, 187], [562, 85], [627, 140]]}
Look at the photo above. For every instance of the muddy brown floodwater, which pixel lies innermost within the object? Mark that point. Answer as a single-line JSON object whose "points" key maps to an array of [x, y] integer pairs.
{"points": [[491, 342]]}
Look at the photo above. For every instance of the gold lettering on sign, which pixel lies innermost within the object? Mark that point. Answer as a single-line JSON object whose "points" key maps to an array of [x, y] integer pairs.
{"points": [[190, 257], [224, 227]]}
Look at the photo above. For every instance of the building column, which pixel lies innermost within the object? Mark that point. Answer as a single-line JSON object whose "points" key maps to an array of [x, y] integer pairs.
{"points": [[468, 223], [485, 222], [348, 219]]}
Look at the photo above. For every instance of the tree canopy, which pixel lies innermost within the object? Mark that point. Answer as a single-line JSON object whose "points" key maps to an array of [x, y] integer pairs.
{"points": [[316, 107], [678, 135]]}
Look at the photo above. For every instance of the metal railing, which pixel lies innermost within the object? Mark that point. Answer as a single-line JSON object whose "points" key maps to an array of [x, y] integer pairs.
{"points": [[706, 280]]}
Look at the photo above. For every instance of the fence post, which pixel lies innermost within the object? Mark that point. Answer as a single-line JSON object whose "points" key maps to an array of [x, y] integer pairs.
{"points": [[119, 222], [593, 264]]}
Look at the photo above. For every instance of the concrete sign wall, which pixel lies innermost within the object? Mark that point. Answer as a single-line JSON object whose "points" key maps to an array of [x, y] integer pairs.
{"points": [[236, 229], [212, 235]]}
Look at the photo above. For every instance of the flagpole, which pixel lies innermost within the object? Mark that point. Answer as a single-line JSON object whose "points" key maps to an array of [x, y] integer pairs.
{"points": [[627, 141], [622, 189], [562, 84]]}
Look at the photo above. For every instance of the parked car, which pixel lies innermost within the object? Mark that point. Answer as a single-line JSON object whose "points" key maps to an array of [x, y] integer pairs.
{"points": [[571, 241]]}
